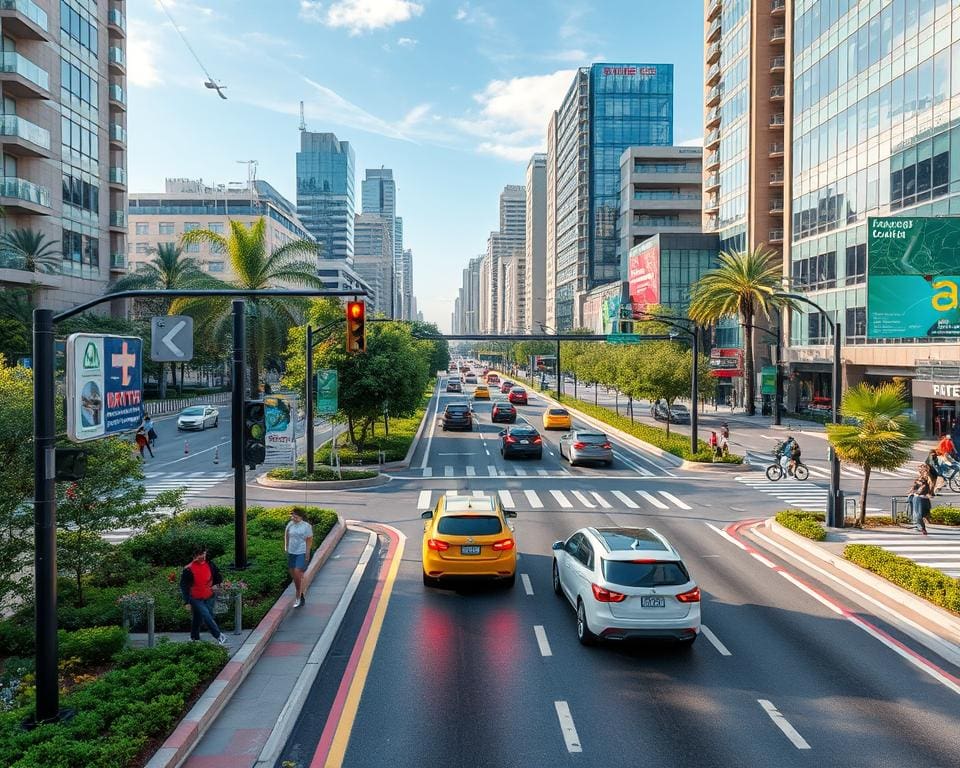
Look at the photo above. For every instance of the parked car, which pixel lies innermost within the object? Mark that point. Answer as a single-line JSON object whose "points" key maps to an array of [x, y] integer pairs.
{"points": [[503, 412], [198, 417], [626, 583], [581, 446], [453, 385], [676, 413], [521, 440], [457, 416]]}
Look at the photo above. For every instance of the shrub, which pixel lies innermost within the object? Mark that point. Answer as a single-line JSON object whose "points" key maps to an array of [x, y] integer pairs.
{"points": [[928, 583], [273, 520], [219, 514], [93, 645], [119, 567], [395, 445], [15, 639], [320, 472], [805, 523], [174, 541], [944, 515]]}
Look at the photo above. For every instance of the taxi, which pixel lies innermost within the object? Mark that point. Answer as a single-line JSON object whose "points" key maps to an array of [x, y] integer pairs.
{"points": [[469, 536], [557, 418], [482, 392]]}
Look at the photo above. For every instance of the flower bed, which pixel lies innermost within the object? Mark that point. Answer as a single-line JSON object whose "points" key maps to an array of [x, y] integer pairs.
{"points": [[321, 472]]}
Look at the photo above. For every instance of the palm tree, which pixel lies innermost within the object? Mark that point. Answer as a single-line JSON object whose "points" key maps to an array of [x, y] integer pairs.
{"points": [[744, 282], [881, 436], [254, 268], [38, 253]]}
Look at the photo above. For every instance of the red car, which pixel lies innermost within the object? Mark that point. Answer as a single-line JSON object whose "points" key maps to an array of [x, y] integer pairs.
{"points": [[506, 386], [518, 396]]}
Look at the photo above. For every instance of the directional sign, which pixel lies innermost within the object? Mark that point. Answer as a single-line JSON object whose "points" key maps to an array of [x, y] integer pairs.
{"points": [[623, 338], [104, 385], [171, 338], [327, 388]]}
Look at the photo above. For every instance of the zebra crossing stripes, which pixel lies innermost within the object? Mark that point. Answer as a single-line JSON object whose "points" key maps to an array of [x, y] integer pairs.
{"points": [[626, 500], [533, 499], [566, 499], [490, 470], [940, 549], [562, 500], [195, 482], [802, 495]]}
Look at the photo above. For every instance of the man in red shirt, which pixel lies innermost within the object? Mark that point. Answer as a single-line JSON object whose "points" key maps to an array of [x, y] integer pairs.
{"points": [[196, 587]]}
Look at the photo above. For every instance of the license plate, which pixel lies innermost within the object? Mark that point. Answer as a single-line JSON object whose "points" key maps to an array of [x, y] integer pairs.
{"points": [[471, 550], [653, 602], [524, 442]]}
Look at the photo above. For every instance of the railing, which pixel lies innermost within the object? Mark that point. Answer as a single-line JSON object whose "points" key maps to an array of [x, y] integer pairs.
{"points": [[778, 5], [714, 28], [118, 175], [664, 195], [115, 17], [116, 55], [713, 114], [776, 176], [11, 125], [714, 70], [118, 219], [777, 33], [775, 235], [15, 63], [666, 168], [118, 133], [172, 405], [118, 261], [21, 189], [713, 51], [32, 11], [714, 94], [116, 93], [776, 119], [713, 181], [776, 206], [713, 202], [778, 62], [654, 221], [713, 159], [776, 148], [777, 91], [712, 137]]}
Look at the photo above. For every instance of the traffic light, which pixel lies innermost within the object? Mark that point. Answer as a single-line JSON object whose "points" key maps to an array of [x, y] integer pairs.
{"points": [[71, 463], [254, 432], [356, 327]]}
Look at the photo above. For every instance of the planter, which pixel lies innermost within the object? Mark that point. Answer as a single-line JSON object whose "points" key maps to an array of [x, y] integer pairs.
{"points": [[318, 485]]}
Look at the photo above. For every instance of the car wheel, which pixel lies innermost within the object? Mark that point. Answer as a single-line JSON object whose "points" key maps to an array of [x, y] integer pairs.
{"points": [[216, 422], [429, 581], [203, 426], [510, 581], [556, 579], [584, 635]]}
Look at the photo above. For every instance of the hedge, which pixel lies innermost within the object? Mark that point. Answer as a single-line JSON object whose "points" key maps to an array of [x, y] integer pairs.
{"points": [[928, 583], [677, 444], [944, 515], [321, 472], [805, 523]]}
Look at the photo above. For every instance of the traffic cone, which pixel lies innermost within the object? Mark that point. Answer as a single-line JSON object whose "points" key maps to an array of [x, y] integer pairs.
{"points": [[216, 455], [186, 447]]}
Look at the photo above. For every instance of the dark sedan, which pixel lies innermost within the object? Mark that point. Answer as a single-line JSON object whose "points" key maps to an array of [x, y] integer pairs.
{"points": [[503, 412], [457, 416], [521, 440]]}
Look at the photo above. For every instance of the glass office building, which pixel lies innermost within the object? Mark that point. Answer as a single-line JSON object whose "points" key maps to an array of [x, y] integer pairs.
{"points": [[326, 196], [608, 108]]}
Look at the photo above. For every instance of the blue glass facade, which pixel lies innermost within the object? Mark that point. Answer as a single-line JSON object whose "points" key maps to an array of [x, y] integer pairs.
{"points": [[326, 195]]}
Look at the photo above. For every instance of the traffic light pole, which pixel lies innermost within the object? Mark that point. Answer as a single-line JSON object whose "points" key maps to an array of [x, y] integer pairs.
{"points": [[309, 399], [237, 438]]}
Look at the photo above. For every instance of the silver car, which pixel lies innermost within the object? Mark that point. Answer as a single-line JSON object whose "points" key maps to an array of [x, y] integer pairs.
{"points": [[581, 446], [198, 417]]}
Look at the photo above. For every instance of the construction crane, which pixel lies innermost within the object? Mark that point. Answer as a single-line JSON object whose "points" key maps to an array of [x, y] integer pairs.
{"points": [[209, 82]]}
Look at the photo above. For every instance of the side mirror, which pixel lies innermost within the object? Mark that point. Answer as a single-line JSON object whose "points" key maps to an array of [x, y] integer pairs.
{"points": [[428, 515], [557, 546], [503, 432], [510, 513]]}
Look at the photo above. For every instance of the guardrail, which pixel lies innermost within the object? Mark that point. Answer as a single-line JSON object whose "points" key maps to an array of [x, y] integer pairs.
{"points": [[176, 404]]}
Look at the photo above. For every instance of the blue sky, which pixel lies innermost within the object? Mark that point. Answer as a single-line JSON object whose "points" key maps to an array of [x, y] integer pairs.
{"points": [[453, 95]]}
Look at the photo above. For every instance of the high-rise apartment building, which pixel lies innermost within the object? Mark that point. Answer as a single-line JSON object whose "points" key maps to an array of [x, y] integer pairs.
{"points": [[379, 196], [326, 192], [507, 243], [373, 260], [533, 302], [406, 276], [398, 263], [63, 134], [608, 108], [468, 299]]}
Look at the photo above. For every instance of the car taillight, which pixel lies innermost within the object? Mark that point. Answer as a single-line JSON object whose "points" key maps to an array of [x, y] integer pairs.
{"points": [[500, 546], [606, 595], [693, 596], [437, 545], [537, 440], [579, 446], [606, 446]]}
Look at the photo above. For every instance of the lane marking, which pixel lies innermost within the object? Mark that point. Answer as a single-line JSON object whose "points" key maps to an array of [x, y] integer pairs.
{"points": [[543, 473], [428, 471], [641, 470], [477, 494], [448, 471], [727, 536], [584, 500], [542, 641], [424, 501], [533, 499], [491, 470], [653, 500], [567, 728], [506, 498], [562, 500], [433, 428], [670, 497], [471, 471], [626, 499], [527, 586], [783, 724], [600, 500], [714, 640], [520, 472]]}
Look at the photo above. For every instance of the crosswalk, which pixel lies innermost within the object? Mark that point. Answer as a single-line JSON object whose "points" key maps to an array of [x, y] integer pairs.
{"points": [[796, 494], [195, 482], [556, 499], [940, 549], [907, 471], [490, 470]]}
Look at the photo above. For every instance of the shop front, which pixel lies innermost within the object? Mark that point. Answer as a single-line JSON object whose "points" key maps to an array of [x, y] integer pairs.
{"points": [[936, 405], [726, 366]]}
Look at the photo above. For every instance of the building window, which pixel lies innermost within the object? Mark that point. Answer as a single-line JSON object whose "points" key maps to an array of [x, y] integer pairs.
{"points": [[189, 226], [817, 329], [216, 226], [143, 247], [143, 228], [215, 266], [856, 324], [818, 271], [166, 227], [73, 24], [856, 264], [192, 248]]}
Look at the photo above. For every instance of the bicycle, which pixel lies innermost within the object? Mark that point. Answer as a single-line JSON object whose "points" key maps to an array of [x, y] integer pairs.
{"points": [[951, 477], [775, 472]]}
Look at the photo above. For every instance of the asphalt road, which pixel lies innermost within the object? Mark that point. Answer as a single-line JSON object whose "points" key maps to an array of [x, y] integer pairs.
{"points": [[491, 676]]}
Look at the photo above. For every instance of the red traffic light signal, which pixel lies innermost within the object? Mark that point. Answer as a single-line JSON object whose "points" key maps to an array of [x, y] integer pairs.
{"points": [[356, 327]]}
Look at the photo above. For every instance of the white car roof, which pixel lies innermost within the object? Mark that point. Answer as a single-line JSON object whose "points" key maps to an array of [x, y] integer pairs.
{"points": [[625, 543]]}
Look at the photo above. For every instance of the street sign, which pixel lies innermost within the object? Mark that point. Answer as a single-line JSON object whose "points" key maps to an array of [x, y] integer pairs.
{"points": [[104, 385], [281, 420], [327, 389], [171, 338], [768, 380], [623, 338]]}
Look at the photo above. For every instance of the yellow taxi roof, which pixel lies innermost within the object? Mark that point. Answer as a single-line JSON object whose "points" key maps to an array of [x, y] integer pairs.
{"points": [[461, 504]]}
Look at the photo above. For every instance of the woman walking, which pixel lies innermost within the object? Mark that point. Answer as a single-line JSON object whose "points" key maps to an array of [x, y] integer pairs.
{"points": [[920, 495], [297, 542], [143, 442]]}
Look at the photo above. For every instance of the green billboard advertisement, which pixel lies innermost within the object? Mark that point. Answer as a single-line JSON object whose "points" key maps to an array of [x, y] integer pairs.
{"points": [[913, 273]]}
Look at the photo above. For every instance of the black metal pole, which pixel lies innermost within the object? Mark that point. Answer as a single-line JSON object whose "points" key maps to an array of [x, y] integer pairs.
{"points": [[694, 392], [309, 404], [239, 463], [836, 505], [778, 380], [45, 517], [558, 366]]}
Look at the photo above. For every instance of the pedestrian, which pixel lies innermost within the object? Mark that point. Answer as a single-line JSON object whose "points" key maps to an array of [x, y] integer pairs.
{"points": [[920, 494], [714, 445], [143, 442], [297, 542], [151, 432], [724, 430], [724, 445], [932, 462], [947, 452], [196, 587]]}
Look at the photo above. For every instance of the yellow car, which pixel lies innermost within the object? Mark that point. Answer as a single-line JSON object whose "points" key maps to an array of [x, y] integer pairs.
{"points": [[482, 392], [469, 536], [557, 418]]}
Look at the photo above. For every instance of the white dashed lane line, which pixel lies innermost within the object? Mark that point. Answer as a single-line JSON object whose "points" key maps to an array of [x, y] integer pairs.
{"points": [[567, 728], [542, 641], [783, 724], [714, 641], [423, 502], [527, 586]]}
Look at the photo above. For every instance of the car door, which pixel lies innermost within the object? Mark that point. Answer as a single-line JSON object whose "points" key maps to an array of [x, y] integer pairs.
{"points": [[583, 563], [565, 566], [209, 416]]}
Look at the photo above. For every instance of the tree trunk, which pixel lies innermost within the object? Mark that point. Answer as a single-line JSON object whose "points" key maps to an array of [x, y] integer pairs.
{"points": [[862, 511], [173, 375], [748, 362], [668, 418], [162, 381]]}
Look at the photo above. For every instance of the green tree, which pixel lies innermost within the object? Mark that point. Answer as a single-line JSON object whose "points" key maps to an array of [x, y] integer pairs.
{"points": [[743, 284], [665, 372], [256, 267], [881, 435], [438, 349], [327, 316], [37, 253]]}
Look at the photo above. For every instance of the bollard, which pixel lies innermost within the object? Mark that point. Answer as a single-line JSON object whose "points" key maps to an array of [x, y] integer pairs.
{"points": [[151, 640], [216, 455], [186, 447], [237, 613]]}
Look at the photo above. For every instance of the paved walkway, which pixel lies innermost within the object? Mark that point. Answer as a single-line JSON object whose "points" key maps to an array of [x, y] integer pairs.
{"points": [[940, 549]]}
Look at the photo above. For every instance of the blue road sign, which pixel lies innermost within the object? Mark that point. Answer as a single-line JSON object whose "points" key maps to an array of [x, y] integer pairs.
{"points": [[104, 385]]}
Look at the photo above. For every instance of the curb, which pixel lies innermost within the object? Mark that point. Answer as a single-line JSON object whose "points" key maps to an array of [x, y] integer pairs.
{"points": [[179, 744], [714, 466], [405, 462], [319, 485], [933, 613]]}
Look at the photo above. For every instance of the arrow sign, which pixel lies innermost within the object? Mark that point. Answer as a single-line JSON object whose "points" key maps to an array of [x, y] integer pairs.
{"points": [[171, 338]]}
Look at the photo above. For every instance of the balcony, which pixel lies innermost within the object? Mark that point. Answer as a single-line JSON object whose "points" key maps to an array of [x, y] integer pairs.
{"points": [[776, 178], [22, 196], [777, 7], [713, 9], [665, 200], [712, 182], [711, 139], [23, 138], [22, 78], [777, 63], [24, 19], [118, 99], [118, 262], [13, 270], [713, 161], [712, 203], [776, 149], [713, 117], [116, 23], [713, 96], [714, 31], [776, 121], [778, 34], [776, 206], [777, 92], [775, 236], [116, 60], [118, 220], [118, 134], [713, 53], [713, 75], [118, 176]]}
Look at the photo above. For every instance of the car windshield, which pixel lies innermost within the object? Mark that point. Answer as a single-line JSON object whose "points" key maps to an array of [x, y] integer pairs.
{"points": [[524, 431], [518, 391], [457, 409], [557, 412], [195, 411], [678, 408], [469, 525], [591, 437], [645, 573]]}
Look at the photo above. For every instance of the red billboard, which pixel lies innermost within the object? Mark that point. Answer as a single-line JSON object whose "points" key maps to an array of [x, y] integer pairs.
{"points": [[643, 277], [726, 362]]}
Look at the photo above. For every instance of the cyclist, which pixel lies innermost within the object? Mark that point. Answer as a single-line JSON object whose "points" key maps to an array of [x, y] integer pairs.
{"points": [[947, 452], [782, 452], [794, 458]]}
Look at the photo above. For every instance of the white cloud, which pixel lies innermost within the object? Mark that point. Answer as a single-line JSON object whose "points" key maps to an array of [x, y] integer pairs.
{"points": [[407, 42], [572, 56], [698, 142], [471, 14], [142, 68], [359, 16], [517, 154]]}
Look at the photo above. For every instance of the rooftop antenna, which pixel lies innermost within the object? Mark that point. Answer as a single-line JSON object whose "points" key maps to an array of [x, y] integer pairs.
{"points": [[251, 178], [303, 122], [209, 82]]}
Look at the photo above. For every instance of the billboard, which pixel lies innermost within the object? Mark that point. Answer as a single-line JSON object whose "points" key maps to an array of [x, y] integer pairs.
{"points": [[104, 385], [327, 389], [643, 276], [913, 270]]}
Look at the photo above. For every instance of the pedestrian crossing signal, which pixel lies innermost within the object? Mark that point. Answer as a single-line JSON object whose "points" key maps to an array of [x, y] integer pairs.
{"points": [[254, 433], [356, 327]]}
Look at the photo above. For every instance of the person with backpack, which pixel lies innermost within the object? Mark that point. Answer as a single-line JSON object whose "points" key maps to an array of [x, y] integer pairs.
{"points": [[151, 432], [197, 581], [794, 458]]}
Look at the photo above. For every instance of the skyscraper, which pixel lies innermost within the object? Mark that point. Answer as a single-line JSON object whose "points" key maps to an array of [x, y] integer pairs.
{"points": [[533, 302], [608, 108], [373, 259], [379, 196], [398, 263], [506, 243], [406, 279], [326, 192]]}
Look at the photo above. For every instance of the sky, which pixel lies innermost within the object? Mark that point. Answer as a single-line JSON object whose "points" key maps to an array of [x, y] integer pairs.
{"points": [[454, 95]]}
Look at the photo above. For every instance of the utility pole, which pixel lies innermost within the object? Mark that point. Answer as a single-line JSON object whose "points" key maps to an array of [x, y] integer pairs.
{"points": [[309, 395], [237, 429]]}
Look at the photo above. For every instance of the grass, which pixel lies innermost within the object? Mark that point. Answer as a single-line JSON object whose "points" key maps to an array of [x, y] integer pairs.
{"points": [[928, 583], [320, 473], [805, 523]]}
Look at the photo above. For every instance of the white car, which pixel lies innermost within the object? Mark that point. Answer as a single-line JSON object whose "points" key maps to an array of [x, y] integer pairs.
{"points": [[198, 417], [626, 583]]}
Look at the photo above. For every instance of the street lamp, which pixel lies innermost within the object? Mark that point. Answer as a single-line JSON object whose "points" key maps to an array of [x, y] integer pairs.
{"points": [[834, 506], [778, 386]]}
